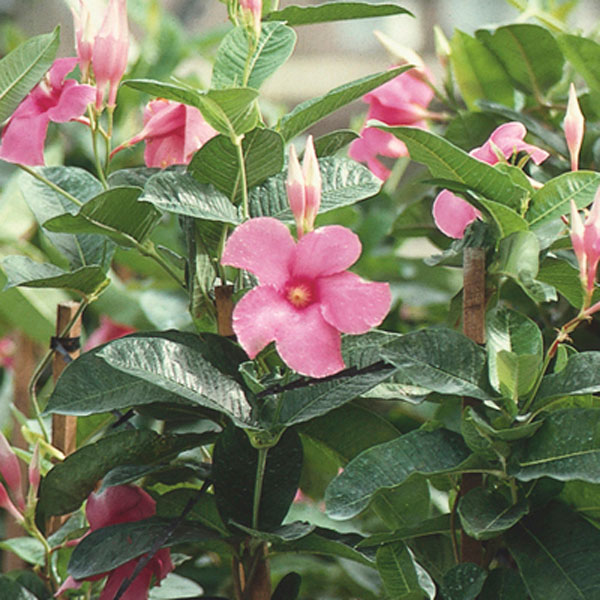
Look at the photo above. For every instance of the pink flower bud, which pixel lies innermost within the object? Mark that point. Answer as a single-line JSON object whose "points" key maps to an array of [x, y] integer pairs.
{"points": [[6, 504], [312, 184], [84, 38], [295, 190], [109, 56], [252, 12], [9, 467], [574, 125], [577, 231], [34, 471]]}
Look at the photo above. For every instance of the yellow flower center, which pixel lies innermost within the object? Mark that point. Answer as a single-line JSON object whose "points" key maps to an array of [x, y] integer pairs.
{"points": [[300, 295]]}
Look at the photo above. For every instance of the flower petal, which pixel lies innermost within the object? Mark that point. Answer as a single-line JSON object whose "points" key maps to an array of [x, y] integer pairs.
{"points": [[351, 304], [23, 140], [263, 246], [73, 101], [258, 316], [452, 214], [325, 251], [310, 345], [119, 504]]}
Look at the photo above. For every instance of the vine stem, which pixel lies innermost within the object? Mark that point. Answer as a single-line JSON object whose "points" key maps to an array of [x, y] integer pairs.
{"points": [[240, 155], [258, 484], [148, 249], [51, 185]]}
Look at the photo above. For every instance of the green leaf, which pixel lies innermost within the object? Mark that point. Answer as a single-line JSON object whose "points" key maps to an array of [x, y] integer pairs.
{"points": [[330, 143], [583, 497], [478, 72], [507, 219], [21, 270], [463, 582], [529, 53], [109, 547], [403, 578], [232, 65], [116, 213], [554, 199], [181, 194], [433, 526], [564, 278], [580, 376], [288, 587], [503, 584], [176, 587], [517, 431], [289, 532], [485, 515], [557, 553], [217, 161], [388, 465], [446, 161], [11, 590], [515, 351], [202, 369], [234, 473], [566, 447], [27, 548], [312, 111], [23, 68], [70, 482], [345, 182], [584, 54], [168, 91], [333, 11], [440, 360]]}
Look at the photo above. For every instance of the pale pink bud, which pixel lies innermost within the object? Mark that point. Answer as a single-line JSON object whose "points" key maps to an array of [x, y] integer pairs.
{"points": [[9, 466], [295, 190], [591, 241], [574, 125], [252, 12], [312, 184], [576, 233], [84, 37], [34, 471], [109, 57], [6, 504]]}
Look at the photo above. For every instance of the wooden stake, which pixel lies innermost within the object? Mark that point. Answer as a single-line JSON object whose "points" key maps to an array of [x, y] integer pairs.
{"points": [[224, 303]]}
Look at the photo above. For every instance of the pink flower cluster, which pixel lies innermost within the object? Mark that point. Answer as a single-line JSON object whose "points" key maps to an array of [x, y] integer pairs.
{"points": [[401, 101], [123, 504], [451, 213], [585, 237]]}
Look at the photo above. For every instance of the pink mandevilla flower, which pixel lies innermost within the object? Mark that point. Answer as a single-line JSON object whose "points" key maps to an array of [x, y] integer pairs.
{"points": [[401, 101], [123, 504], [585, 237], [305, 297], [54, 99], [451, 213], [172, 132], [574, 125]]}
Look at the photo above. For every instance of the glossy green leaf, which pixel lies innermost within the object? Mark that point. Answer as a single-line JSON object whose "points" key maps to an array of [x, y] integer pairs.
{"points": [[288, 587], [388, 465], [330, 143], [529, 53], [403, 578], [345, 182], [27, 548], [440, 360], [581, 375], [70, 482], [557, 553], [116, 213], [312, 111], [507, 219], [446, 161], [478, 72], [433, 526], [485, 515], [109, 547], [12, 590], [217, 161], [23, 271], [232, 65], [463, 582], [22, 68], [202, 369], [554, 199], [503, 584], [584, 54], [132, 177], [234, 473], [405, 504], [584, 497], [566, 447], [517, 431], [182, 194], [333, 11], [168, 91], [565, 278]]}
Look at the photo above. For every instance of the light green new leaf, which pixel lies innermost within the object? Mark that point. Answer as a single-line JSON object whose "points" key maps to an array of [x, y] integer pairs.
{"points": [[312, 111], [388, 465], [566, 447], [507, 219], [22, 68], [232, 66], [333, 11], [446, 161], [584, 54]]}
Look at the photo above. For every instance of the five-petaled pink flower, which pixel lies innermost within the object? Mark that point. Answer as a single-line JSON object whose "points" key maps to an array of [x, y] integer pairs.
{"points": [[123, 504], [172, 132], [305, 297], [585, 237], [451, 213], [401, 101], [54, 99]]}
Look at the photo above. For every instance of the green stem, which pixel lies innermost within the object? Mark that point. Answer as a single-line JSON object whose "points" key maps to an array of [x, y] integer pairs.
{"points": [[148, 249], [94, 127], [51, 185], [240, 155], [258, 484]]}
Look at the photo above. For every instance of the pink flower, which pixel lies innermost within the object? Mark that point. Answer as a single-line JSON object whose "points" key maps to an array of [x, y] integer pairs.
{"points": [[84, 37], [305, 297], [7, 504], [123, 504], [11, 471], [585, 238], [303, 186], [7, 351], [452, 214], [109, 53], [400, 101], [172, 132], [54, 99], [507, 140], [107, 330], [574, 125]]}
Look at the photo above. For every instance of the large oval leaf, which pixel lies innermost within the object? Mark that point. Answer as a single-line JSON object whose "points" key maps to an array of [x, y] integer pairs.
{"points": [[333, 11]]}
